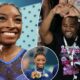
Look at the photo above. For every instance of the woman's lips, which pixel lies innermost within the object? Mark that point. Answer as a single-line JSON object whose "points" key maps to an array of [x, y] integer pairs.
{"points": [[8, 34]]}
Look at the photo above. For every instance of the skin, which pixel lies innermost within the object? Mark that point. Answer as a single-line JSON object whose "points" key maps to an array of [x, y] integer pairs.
{"points": [[46, 6], [63, 1], [69, 29], [62, 10], [40, 61], [10, 30], [25, 63], [10, 22]]}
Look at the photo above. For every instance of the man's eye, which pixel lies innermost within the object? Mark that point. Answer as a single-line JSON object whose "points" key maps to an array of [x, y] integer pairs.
{"points": [[65, 26]]}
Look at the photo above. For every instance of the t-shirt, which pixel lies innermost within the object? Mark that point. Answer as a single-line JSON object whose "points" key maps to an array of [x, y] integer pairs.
{"points": [[12, 70], [66, 71]]}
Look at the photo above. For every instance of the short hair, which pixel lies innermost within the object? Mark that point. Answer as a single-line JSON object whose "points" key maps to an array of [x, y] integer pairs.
{"points": [[73, 19]]}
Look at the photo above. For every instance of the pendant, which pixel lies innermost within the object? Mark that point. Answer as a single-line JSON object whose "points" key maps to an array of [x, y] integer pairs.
{"points": [[75, 77], [72, 64]]}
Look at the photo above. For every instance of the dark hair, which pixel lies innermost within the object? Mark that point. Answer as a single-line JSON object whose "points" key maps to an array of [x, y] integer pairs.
{"points": [[3, 4], [39, 54], [73, 19], [52, 4]]}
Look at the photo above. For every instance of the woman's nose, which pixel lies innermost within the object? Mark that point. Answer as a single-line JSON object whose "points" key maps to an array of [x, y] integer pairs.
{"points": [[10, 23]]}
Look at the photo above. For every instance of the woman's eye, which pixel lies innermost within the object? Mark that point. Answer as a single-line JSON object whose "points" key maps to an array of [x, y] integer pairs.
{"points": [[38, 60], [43, 60], [2, 18], [18, 20]]}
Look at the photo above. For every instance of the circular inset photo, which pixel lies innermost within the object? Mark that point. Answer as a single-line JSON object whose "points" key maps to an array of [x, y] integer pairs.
{"points": [[40, 63]]}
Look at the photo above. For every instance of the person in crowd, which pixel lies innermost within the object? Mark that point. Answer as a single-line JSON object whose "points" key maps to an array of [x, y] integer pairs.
{"points": [[65, 41]]}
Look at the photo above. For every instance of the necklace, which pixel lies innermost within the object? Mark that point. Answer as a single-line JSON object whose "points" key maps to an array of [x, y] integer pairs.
{"points": [[71, 54]]}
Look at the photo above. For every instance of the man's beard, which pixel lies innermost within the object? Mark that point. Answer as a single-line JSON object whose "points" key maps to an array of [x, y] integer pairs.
{"points": [[70, 41]]}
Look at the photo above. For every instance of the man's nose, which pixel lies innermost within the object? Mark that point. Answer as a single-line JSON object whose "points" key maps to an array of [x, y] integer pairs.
{"points": [[68, 28]]}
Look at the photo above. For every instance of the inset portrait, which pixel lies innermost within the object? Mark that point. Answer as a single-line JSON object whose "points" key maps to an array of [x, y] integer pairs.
{"points": [[40, 63]]}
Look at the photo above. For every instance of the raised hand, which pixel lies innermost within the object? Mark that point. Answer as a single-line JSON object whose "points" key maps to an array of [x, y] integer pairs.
{"points": [[73, 12], [35, 74], [61, 9]]}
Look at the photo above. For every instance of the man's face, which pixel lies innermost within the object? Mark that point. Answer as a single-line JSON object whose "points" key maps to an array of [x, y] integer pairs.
{"points": [[10, 24], [69, 28], [40, 61]]}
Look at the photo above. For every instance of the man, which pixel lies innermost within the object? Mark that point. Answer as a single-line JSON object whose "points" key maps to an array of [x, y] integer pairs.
{"points": [[66, 44]]}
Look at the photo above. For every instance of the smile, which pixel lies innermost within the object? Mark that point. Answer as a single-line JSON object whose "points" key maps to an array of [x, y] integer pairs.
{"points": [[68, 33], [9, 34]]}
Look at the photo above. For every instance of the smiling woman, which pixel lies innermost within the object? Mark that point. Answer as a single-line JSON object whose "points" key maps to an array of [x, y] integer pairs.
{"points": [[10, 54], [10, 24], [39, 64]]}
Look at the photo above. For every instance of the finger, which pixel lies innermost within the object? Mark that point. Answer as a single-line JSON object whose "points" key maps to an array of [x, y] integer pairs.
{"points": [[63, 1]]}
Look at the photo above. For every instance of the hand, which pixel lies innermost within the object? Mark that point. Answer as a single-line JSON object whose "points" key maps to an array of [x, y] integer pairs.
{"points": [[73, 12], [71, 2], [63, 1], [61, 9], [36, 74]]}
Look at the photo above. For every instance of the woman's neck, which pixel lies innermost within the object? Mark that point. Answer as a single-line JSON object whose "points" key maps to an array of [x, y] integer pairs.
{"points": [[9, 52], [7, 49]]}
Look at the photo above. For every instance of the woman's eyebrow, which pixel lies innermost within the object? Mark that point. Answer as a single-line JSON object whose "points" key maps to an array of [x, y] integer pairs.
{"points": [[2, 13], [18, 16]]}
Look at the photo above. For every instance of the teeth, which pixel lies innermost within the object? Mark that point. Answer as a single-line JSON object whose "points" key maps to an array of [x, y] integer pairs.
{"points": [[9, 34], [68, 33]]}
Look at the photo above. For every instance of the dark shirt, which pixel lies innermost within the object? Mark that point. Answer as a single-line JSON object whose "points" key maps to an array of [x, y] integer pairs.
{"points": [[56, 46]]}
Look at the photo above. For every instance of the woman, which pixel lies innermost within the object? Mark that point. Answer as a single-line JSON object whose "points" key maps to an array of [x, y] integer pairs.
{"points": [[39, 73], [10, 54]]}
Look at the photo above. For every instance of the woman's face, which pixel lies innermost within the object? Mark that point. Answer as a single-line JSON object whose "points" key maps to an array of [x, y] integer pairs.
{"points": [[10, 24], [40, 61]]}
